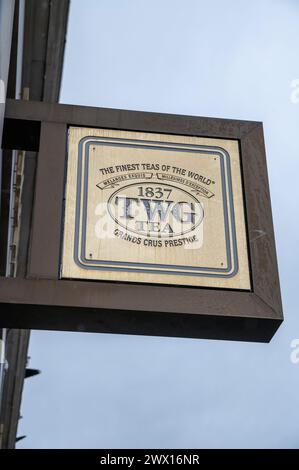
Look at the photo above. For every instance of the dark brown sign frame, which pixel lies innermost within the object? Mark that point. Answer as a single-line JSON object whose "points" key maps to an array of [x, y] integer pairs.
{"points": [[41, 300]]}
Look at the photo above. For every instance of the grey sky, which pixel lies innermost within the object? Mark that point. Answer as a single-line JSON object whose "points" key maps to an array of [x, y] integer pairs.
{"points": [[233, 59]]}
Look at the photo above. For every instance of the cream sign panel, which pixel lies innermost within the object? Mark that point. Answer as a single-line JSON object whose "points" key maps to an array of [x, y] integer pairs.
{"points": [[154, 208]]}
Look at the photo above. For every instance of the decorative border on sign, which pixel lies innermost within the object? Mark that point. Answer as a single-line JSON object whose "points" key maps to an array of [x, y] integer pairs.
{"points": [[81, 209]]}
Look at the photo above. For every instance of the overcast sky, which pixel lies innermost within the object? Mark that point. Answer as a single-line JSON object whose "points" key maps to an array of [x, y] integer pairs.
{"points": [[231, 59]]}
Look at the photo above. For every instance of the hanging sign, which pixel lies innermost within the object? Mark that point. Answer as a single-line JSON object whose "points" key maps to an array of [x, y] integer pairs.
{"points": [[154, 208]]}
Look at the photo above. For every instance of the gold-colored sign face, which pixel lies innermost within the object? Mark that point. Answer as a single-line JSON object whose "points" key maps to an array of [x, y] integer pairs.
{"points": [[154, 208]]}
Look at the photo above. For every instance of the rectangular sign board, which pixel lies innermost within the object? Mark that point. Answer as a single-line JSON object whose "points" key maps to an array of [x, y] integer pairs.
{"points": [[154, 208], [143, 223]]}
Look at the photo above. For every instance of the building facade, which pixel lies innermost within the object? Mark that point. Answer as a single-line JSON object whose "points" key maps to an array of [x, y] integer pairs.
{"points": [[32, 43]]}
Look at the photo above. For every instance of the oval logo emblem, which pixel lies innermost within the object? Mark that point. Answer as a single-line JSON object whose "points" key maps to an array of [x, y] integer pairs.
{"points": [[155, 210]]}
